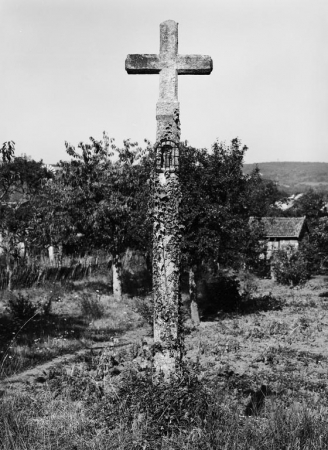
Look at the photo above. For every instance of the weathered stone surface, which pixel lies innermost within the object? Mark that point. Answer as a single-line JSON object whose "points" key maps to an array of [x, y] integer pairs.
{"points": [[168, 63], [167, 194], [166, 271], [142, 64], [194, 65]]}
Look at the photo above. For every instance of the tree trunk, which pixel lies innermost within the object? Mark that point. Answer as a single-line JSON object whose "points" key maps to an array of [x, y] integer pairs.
{"points": [[193, 298], [51, 253], [117, 278], [26, 255], [10, 276]]}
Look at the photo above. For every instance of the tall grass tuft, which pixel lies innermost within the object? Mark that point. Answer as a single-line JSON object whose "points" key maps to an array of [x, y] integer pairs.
{"points": [[91, 307], [140, 412]]}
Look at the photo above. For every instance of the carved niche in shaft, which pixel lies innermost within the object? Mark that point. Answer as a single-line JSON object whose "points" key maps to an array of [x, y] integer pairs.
{"points": [[167, 156]]}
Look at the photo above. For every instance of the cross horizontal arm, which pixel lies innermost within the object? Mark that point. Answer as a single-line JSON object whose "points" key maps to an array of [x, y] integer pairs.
{"points": [[194, 65], [142, 64]]}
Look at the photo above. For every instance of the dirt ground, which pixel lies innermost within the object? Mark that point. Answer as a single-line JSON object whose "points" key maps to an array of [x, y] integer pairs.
{"points": [[281, 344]]}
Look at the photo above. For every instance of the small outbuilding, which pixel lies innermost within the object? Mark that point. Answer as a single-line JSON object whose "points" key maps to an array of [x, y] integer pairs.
{"points": [[283, 233]]}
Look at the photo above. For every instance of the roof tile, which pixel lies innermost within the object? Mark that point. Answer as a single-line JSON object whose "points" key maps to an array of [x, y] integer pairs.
{"points": [[282, 226]]}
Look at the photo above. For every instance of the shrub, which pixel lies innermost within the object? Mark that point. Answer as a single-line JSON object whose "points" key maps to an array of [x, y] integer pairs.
{"points": [[248, 285], [290, 269], [21, 308], [145, 307], [91, 307]]}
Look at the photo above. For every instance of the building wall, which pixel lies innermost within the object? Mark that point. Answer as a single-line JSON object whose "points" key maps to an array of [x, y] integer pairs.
{"points": [[281, 244]]}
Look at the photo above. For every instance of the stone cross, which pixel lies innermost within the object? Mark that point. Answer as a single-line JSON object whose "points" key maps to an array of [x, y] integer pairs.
{"points": [[167, 231], [168, 64]]}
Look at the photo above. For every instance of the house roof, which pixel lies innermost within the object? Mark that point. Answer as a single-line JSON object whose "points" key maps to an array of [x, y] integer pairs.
{"points": [[287, 227]]}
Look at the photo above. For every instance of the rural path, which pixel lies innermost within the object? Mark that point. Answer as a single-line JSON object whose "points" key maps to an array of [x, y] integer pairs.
{"points": [[39, 374]]}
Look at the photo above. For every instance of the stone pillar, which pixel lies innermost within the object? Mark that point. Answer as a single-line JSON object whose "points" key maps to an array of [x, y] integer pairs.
{"points": [[166, 274], [167, 196]]}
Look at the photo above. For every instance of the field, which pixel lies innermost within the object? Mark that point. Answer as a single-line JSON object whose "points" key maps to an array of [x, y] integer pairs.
{"points": [[255, 378]]}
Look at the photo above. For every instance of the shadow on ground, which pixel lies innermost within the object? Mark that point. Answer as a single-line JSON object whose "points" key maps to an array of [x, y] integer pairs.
{"points": [[99, 286], [243, 307], [23, 346]]}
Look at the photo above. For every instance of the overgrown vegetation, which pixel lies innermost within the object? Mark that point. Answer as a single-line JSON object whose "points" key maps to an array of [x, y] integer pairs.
{"points": [[290, 269], [91, 307], [252, 380]]}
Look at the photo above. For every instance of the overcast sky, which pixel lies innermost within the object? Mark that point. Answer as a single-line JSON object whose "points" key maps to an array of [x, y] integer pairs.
{"points": [[62, 74]]}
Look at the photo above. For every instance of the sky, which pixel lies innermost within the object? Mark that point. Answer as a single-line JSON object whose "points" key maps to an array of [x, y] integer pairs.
{"points": [[63, 78]]}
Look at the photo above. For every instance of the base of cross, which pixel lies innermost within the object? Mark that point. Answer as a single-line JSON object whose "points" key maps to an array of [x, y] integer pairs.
{"points": [[166, 363]]}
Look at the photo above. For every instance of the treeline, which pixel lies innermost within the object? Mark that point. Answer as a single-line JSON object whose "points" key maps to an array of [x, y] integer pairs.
{"points": [[101, 201], [294, 177]]}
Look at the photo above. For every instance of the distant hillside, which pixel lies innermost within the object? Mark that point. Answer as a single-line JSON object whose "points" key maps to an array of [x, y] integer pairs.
{"points": [[294, 177]]}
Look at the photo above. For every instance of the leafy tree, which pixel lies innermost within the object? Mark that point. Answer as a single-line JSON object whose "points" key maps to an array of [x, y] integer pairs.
{"points": [[106, 198], [20, 178], [261, 195], [7, 151], [311, 205], [215, 209], [20, 182], [52, 223], [315, 248]]}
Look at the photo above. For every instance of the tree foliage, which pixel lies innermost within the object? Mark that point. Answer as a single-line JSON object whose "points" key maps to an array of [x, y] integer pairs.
{"points": [[105, 195], [215, 206], [20, 183], [261, 195]]}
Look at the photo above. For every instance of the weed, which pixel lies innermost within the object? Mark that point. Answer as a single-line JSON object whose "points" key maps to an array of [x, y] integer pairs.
{"points": [[167, 406], [145, 308], [278, 328], [21, 308], [91, 307]]}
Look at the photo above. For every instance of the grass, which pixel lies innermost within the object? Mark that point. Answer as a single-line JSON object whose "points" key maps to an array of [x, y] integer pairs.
{"points": [[111, 400], [82, 313], [87, 419]]}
